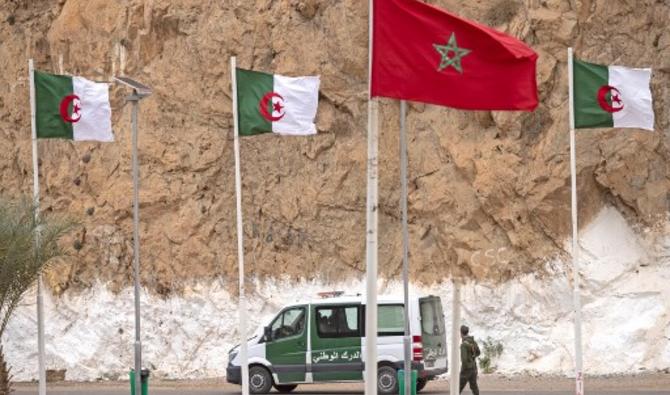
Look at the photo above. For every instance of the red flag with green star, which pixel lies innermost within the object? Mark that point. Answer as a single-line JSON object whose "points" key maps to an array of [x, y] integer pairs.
{"points": [[423, 53]]}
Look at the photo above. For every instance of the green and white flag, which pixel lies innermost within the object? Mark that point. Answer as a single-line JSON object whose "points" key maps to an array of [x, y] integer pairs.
{"points": [[270, 103], [612, 96], [72, 108]]}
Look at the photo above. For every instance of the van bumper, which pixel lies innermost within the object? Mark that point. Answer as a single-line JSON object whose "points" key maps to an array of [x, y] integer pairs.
{"points": [[430, 374], [233, 374], [424, 373]]}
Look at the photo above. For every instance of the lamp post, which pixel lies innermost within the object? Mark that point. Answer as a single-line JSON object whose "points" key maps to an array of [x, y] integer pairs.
{"points": [[140, 91]]}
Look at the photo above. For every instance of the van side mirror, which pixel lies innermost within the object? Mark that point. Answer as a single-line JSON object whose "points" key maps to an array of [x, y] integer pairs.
{"points": [[267, 331]]}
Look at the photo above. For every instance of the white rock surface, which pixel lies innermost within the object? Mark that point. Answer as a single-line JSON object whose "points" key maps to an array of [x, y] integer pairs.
{"points": [[626, 310]]}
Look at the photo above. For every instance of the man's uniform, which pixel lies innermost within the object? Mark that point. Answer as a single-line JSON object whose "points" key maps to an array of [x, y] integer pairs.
{"points": [[469, 351]]}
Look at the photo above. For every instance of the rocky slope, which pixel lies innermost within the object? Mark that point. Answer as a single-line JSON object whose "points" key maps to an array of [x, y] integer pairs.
{"points": [[478, 180]]}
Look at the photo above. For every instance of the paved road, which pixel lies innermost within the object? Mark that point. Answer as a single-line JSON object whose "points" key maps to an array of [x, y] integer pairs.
{"points": [[654, 384], [105, 390], [183, 391]]}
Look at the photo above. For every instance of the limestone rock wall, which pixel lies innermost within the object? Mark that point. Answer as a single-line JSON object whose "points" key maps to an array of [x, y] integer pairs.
{"points": [[479, 181]]}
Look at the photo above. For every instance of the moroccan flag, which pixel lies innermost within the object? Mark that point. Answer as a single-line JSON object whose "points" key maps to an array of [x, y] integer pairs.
{"points": [[72, 108], [269, 103], [423, 53], [612, 96]]}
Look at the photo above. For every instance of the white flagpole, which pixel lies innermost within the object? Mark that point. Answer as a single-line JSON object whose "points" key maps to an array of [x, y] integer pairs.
{"points": [[371, 255], [407, 340], [455, 365], [42, 375], [41, 353], [371, 231], [244, 357], [579, 375]]}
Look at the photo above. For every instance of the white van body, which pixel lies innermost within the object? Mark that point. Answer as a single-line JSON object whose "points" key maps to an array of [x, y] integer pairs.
{"points": [[323, 341]]}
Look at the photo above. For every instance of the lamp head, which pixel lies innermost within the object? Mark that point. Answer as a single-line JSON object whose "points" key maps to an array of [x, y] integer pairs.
{"points": [[139, 89]]}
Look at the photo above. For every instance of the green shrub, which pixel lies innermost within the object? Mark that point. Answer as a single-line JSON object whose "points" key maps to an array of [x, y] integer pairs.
{"points": [[491, 351]]}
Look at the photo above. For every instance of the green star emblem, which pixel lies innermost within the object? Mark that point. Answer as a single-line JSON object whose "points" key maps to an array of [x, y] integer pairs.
{"points": [[456, 54]]}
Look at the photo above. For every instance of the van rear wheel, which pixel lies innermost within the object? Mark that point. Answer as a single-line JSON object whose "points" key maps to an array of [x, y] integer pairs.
{"points": [[421, 384], [286, 388], [387, 380], [260, 380]]}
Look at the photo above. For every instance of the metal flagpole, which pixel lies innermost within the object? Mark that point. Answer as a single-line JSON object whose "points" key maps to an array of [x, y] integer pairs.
{"points": [[579, 377], [244, 358], [407, 341], [455, 364], [371, 230], [42, 373]]}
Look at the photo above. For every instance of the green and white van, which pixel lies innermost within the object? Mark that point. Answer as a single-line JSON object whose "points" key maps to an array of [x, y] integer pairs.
{"points": [[323, 341]]}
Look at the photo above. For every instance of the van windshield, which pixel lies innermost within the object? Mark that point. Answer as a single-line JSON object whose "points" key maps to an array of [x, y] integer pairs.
{"points": [[432, 320]]}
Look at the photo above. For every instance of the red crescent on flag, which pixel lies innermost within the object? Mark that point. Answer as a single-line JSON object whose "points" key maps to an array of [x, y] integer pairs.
{"points": [[602, 101], [64, 104], [263, 106]]}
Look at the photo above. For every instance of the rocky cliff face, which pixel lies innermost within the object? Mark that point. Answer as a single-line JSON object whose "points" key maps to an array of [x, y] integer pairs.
{"points": [[479, 181]]}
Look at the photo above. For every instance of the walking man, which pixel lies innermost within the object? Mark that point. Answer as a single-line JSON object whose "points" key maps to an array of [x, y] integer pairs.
{"points": [[469, 353]]}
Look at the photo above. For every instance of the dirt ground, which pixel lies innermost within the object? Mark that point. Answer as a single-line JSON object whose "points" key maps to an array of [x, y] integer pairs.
{"points": [[647, 381]]}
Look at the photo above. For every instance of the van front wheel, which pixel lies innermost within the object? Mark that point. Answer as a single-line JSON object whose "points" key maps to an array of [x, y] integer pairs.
{"points": [[260, 380], [387, 380]]}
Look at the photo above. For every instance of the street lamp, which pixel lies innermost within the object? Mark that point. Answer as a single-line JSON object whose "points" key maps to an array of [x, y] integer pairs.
{"points": [[140, 91]]}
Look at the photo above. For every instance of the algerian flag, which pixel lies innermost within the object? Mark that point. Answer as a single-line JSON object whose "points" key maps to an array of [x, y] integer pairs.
{"points": [[269, 103], [72, 108], [612, 96]]}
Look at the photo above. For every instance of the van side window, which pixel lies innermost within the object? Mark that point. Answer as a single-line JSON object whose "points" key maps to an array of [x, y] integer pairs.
{"points": [[289, 323], [337, 321], [390, 320]]}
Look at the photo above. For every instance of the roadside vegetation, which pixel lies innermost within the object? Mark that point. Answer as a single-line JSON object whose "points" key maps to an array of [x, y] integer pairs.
{"points": [[22, 259], [492, 350]]}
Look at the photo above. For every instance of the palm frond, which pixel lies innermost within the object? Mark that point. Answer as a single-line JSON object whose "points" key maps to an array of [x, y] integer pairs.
{"points": [[27, 244]]}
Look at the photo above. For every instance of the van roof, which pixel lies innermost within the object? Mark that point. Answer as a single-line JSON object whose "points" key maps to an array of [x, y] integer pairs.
{"points": [[383, 299]]}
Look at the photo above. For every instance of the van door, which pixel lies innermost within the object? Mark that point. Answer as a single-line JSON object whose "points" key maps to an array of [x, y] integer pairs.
{"points": [[287, 347], [433, 335], [336, 343]]}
